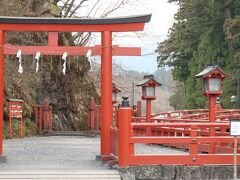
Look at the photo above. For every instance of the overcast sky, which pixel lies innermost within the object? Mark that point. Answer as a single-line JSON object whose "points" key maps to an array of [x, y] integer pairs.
{"points": [[154, 32]]}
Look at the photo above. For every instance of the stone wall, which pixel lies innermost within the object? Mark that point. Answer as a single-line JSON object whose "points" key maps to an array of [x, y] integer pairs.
{"points": [[169, 172]]}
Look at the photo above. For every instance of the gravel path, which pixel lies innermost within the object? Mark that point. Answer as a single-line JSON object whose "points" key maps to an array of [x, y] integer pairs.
{"points": [[62, 153], [156, 149], [52, 153]]}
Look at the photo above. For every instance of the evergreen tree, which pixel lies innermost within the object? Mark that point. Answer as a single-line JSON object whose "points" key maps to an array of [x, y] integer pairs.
{"points": [[203, 33]]}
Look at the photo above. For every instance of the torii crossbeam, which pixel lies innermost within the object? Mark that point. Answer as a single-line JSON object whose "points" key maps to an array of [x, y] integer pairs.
{"points": [[54, 49], [105, 25]]}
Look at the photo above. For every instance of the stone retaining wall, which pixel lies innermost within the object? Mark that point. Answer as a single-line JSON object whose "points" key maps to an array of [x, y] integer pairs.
{"points": [[177, 172]]}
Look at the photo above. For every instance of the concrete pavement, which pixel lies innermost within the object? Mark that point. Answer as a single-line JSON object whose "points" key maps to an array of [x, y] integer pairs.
{"points": [[54, 157], [62, 157]]}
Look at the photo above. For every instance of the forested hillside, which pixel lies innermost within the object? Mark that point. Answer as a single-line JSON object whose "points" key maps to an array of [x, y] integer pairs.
{"points": [[204, 32]]}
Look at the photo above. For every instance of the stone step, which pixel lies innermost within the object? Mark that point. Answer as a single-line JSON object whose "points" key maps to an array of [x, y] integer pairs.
{"points": [[40, 175], [72, 133]]}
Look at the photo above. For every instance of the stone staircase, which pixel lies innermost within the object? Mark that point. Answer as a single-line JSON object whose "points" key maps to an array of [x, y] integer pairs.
{"points": [[73, 133], [61, 175]]}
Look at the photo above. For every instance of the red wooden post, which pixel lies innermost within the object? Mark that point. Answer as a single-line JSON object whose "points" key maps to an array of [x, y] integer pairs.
{"points": [[40, 119], [131, 146], [125, 119], [21, 127], [168, 114], [36, 115], [193, 149], [148, 116], [98, 119], [218, 107], [231, 113], [139, 108], [45, 115], [91, 114], [95, 119], [53, 39], [10, 118], [1, 88], [50, 119], [106, 92], [116, 117], [184, 113], [212, 118]]}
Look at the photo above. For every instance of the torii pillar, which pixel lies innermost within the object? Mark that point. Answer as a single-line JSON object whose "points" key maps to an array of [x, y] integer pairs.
{"points": [[2, 158], [106, 90]]}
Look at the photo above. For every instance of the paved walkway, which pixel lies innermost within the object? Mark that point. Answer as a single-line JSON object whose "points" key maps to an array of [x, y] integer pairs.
{"points": [[54, 157], [61, 157]]}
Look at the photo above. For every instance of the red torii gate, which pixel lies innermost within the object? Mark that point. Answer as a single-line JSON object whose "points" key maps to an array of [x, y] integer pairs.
{"points": [[53, 25]]}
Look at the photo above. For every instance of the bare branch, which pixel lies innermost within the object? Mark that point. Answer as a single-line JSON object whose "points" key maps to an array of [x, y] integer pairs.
{"points": [[93, 8], [65, 5], [68, 9], [117, 6], [77, 7]]}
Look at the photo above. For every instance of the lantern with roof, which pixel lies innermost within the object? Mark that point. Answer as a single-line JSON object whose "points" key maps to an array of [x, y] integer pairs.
{"points": [[212, 79], [115, 91], [148, 85]]}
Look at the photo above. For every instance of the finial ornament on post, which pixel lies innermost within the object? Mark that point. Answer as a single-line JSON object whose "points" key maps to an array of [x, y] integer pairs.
{"points": [[125, 102]]}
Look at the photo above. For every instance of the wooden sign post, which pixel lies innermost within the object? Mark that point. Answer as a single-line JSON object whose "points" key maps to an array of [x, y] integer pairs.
{"points": [[15, 110], [235, 131]]}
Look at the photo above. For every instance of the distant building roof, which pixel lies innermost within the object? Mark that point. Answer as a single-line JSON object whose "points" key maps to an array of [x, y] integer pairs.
{"points": [[209, 70]]}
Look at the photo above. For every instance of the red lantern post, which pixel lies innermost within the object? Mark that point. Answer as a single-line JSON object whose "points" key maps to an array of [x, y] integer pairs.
{"points": [[212, 79], [148, 85], [115, 91]]}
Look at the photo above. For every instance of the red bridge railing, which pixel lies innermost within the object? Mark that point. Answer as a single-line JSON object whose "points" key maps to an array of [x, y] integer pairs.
{"points": [[188, 130], [191, 136], [221, 114], [94, 114]]}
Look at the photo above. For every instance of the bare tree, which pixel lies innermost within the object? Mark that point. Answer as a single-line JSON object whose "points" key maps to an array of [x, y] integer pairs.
{"points": [[91, 9]]}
